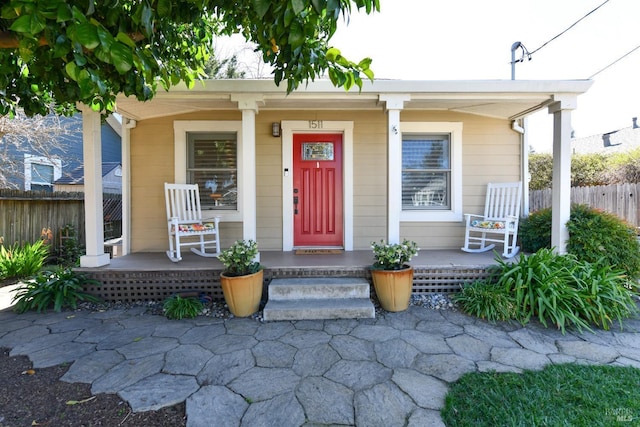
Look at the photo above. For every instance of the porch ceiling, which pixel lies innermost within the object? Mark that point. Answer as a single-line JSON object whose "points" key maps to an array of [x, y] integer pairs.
{"points": [[496, 98]]}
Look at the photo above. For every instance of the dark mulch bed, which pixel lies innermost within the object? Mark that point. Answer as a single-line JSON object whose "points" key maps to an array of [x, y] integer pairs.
{"points": [[37, 397]]}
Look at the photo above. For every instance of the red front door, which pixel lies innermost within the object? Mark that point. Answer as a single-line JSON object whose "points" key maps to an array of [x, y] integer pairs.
{"points": [[317, 190]]}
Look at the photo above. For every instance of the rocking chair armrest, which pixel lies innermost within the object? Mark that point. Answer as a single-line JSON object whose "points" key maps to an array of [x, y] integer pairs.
{"points": [[467, 217], [511, 219]]}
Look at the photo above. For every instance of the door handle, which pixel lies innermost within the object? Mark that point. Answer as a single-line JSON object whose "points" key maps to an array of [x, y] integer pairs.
{"points": [[295, 205]]}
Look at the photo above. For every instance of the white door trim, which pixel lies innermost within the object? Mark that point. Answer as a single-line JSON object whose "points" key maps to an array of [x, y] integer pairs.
{"points": [[289, 127]]}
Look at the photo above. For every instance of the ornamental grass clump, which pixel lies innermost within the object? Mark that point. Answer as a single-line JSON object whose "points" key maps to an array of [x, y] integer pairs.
{"points": [[60, 287], [560, 290], [393, 256], [239, 259], [22, 260], [177, 307]]}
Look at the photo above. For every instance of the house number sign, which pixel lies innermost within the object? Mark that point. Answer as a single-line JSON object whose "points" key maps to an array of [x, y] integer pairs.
{"points": [[315, 124], [317, 151]]}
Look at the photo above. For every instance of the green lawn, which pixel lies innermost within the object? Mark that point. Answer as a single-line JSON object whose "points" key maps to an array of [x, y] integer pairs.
{"points": [[559, 395]]}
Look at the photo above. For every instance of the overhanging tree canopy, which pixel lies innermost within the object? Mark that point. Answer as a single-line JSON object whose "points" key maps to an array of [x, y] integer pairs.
{"points": [[61, 52]]}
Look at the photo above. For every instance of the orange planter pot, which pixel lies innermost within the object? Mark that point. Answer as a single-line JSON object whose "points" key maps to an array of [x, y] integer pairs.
{"points": [[242, 293], [393, 288]]}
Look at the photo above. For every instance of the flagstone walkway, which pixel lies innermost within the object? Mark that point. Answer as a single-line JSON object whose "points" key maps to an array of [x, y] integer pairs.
{"points": [[390, 371]]}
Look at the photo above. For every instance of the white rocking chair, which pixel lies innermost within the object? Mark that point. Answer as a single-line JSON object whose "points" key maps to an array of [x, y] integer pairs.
{"points": [[184, 220], [499, 224]]}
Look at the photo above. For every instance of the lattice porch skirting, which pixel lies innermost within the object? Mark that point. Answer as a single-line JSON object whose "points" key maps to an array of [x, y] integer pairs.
{"points": [[129, 286]]}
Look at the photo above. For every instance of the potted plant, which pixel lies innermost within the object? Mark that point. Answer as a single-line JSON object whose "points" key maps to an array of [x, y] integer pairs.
{"points": [[242, 278], [392, 276]]}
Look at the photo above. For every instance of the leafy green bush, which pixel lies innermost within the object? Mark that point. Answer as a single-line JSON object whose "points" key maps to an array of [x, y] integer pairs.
{"points": [[22, 260], [588, 169], [595, 235], [565, 291], [486, 300], [176, 307], [70, 249], [535, 231], [624, 167], [59, 288], [541, 170]]}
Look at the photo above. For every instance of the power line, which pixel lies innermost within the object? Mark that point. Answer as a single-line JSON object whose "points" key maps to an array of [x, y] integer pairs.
{"points": [[570, 27], [614, 62]]}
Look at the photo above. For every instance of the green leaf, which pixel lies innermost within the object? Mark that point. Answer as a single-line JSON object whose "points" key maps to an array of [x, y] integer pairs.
{"points": [[124, 38], [87, 35], [164, 8], [147, 18], [298, 6], [261, 7], [332, 54], [319, 5], [296, 36], [22, 24], [72, 70], [38, 23], [121, 57], [102, 55], [64, 13]]}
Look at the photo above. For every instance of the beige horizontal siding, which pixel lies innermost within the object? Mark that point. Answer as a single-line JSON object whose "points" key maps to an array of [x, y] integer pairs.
{"points": [[491, 152]]}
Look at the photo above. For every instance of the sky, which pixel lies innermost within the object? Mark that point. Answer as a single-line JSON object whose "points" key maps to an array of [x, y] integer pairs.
{"points": [[471, 40]]}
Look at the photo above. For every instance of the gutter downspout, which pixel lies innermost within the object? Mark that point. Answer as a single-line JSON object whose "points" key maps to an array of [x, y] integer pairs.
{"points": [[524, 154]]}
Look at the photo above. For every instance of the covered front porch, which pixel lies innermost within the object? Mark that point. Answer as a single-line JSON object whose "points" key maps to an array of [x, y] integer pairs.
{"points": [[152, 276]]}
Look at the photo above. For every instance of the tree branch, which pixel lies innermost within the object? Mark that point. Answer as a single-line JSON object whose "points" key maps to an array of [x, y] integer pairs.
{"points": [[10, 41]]}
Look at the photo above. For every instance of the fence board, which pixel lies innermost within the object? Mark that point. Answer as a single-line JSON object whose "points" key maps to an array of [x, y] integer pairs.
{"points": [[618, 199], [24, 214]]}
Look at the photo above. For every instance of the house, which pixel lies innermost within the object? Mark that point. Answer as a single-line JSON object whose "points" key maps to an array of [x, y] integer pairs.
{"points": [[60, 164], [325, 168], [619, 141], [74, 181]]}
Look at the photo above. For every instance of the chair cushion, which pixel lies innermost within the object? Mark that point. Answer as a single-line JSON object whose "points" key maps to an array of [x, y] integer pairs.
{"points": [[494, 225], [190, 228]]}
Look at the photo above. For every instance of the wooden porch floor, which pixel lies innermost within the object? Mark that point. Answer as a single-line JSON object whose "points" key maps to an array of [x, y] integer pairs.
{"points": [[158, 261]]}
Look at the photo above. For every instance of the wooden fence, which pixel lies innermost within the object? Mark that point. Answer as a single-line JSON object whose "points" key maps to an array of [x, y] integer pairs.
{"points": [[24, 215], [618, 199]]}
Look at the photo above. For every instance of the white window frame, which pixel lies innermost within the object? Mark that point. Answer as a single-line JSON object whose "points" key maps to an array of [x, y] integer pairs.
{"points": [[30, 159], [454, 129], [180, 129]]}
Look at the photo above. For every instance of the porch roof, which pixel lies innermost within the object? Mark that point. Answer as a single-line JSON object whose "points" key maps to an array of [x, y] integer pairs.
{"points": [[504, 99]]}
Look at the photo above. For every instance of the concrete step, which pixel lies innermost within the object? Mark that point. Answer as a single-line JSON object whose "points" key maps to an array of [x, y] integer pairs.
{"points": [[318, 288], [316, 309]]}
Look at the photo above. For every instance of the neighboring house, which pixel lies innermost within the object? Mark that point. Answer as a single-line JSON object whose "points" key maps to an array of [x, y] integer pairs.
{"points": [[325, 168], [619, 141], [74, 181], [41, 172]]}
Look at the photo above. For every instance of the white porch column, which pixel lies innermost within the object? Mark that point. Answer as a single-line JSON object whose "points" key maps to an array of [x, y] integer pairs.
{"points": [[394, 103], [93, 214], [127, 125], [248, 103], [561, 186]]}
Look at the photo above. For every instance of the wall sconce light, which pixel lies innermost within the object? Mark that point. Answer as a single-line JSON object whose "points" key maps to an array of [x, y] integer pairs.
{"points": [[275, 129]]}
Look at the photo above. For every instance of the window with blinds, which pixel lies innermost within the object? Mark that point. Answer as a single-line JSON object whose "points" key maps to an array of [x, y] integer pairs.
{"points": [[213, 165], [426, 171]]}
